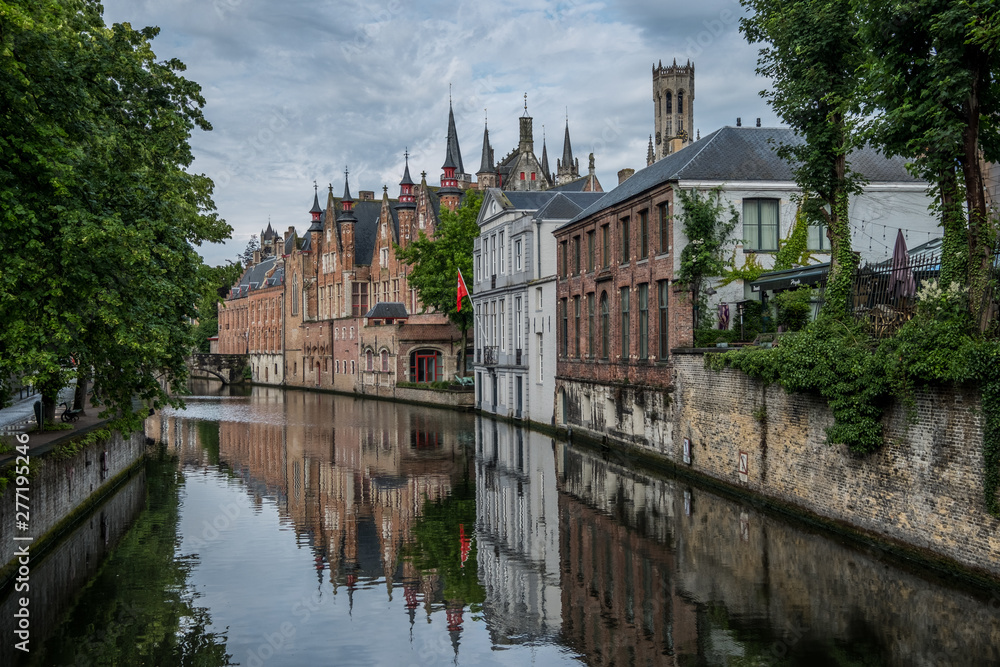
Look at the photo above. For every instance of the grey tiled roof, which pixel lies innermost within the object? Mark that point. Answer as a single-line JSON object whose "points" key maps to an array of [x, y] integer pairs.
{"points": [[742, 154], [254, 277], [576, 185], [388, 310], [366, 229], [566, 205]]}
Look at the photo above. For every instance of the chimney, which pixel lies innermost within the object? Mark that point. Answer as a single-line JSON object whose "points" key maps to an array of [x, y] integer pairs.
{"points": [[676, 144], [291, 230], [366, 195], [256, 256], [739, 122], [624, 175], [758, 122]]}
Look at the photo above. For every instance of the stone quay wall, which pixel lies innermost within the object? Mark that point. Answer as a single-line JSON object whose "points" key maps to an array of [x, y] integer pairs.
{"points": [[922, 490], [60, 488]]}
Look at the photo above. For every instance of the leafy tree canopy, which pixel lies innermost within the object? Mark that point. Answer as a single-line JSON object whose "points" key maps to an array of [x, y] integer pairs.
{"points": [[99, 214], [435, 261], [810, 49]]}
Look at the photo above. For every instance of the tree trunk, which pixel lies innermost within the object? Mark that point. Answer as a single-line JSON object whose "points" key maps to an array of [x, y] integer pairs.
{"points": [[80, 396], [955, 244], [980, 238], [465, 346]]}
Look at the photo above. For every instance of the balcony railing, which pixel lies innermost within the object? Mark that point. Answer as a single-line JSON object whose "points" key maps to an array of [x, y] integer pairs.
{"points": [[491, 355]]}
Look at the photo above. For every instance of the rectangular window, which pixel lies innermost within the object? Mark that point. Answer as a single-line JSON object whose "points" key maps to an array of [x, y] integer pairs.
{"points": [[643, 234], [538, 298], [590, 325], [478, 273], [605, 246], [517, 323], [590, 251], [818, 239], [503, 329], [493, 254], [576, 255], [576, 326], [625, 322], [541, 366], [760, 224], [564, 334], [517, 255], [522, 175], [624, 229], [501, 253], [663, 213], [662, 325], [644, 321], [532, 175], [359, 299], [563, 257]]}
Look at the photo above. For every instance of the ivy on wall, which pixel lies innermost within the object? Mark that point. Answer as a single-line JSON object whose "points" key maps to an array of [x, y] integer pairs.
{"points": [[860, 377]]}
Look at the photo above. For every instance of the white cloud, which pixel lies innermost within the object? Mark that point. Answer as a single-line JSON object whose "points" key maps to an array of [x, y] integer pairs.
{"points": [[300, 90]]}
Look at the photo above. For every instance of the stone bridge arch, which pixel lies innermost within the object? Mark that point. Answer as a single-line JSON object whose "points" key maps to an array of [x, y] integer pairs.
{"points": [[226, 367]]}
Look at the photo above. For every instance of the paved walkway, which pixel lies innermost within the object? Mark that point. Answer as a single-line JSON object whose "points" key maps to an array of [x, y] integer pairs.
{"points": [[20, 416]]}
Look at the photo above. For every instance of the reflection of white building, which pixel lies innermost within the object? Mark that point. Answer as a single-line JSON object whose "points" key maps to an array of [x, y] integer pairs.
{"points": [[514, 292], [517, 530]]}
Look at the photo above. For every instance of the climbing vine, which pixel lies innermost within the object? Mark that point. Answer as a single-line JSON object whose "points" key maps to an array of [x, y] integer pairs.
{"points": [[860, 377]]}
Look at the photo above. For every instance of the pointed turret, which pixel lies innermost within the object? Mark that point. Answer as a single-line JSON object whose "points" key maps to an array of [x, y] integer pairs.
{"points": [[568, 168], [486, 177], [450, 192], [406, 197], [316, 212], [650, 156], [346, 204]]}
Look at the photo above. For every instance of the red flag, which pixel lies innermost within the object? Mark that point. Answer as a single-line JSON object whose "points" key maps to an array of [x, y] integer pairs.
{"points": [[462, 290]]}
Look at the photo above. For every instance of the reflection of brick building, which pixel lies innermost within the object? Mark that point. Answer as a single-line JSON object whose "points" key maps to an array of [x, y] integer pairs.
{"points": [[621, 600]]}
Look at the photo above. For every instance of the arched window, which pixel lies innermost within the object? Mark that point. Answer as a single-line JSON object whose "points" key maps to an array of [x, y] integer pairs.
{"points": [[369, 361], [295, 292], [605, 326], [425, 366], [668, 102], [680, 101], [385, 361], [338, 366]]}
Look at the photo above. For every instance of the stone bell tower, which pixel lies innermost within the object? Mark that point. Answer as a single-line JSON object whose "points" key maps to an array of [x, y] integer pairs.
{"points": [[673, 101]]}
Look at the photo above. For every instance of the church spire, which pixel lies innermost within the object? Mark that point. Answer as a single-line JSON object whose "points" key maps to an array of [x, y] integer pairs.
{"points": [[568, 168], [650, 159], [545, 157], [486, 164], [567, 156], [453, 157]]}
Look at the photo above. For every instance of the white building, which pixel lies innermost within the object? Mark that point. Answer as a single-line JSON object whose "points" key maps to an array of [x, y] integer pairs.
{"points": [[514, 291]]}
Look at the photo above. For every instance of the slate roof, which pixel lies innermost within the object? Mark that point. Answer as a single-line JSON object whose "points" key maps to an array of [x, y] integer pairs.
{"points": [[742, 154], [576, 185], [366, 229], [388, 310], [565, 206], [254, 277]]}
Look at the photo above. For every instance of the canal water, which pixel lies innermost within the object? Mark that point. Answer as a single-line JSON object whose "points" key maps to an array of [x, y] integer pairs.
{"points": [[292, 528]]}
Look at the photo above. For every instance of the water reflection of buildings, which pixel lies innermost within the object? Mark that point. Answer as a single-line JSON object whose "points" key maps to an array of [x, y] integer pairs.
{"points": [[655, 572], [351, 477], [517, 527]]}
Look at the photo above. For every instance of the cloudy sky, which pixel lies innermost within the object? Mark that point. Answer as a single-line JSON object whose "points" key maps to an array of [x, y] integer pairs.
{"points": [[299, 90]]}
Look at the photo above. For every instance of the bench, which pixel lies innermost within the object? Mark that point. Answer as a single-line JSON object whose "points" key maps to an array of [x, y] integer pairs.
{"points": [[69, 415]]}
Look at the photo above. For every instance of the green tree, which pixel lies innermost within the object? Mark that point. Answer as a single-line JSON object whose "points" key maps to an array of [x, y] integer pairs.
{"points": [[215, 284], [435, 262], [931, 87], [707, 223], [99, 214], [812, 53]]}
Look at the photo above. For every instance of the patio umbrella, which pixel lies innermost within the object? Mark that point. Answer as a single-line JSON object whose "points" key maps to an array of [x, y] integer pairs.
{"points": [[902, 284], [723, 315]]}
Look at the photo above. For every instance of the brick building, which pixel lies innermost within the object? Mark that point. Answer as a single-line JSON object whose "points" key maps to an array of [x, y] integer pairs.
{"points": [[617, 311]]}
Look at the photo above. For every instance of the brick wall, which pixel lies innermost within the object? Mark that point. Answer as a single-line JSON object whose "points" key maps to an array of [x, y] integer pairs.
{"points": [[62, 486], [924, 488]]}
